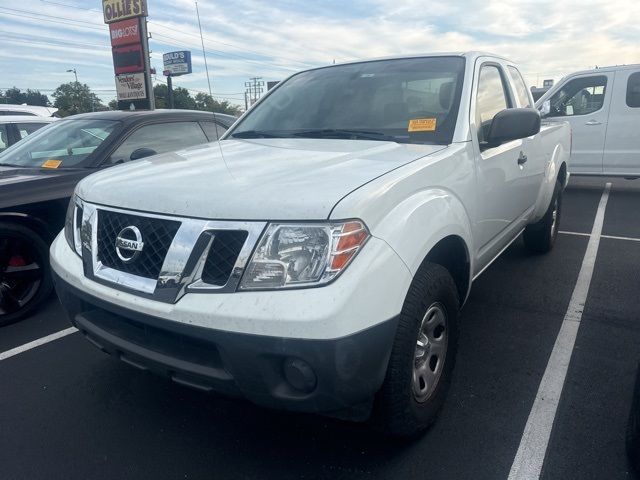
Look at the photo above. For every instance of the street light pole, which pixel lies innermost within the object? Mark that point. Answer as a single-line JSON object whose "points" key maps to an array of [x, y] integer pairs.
{"points": [[74, 72]]}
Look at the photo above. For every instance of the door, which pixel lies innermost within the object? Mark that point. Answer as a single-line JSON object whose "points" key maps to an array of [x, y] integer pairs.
{"points": [[584, 103], [502, 202], [158, 138], [622, 145]]}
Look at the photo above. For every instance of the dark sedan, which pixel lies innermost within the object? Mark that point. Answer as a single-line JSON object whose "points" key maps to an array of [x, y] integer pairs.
{"points": [[38, 175]]}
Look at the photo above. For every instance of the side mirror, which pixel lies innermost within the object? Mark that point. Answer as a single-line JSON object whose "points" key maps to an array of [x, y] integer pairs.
{"points": [[512, 124], [545, 108], [141, 153]]}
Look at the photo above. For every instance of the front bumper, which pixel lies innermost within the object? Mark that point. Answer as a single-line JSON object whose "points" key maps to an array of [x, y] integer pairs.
{"points": [[322, 376]]}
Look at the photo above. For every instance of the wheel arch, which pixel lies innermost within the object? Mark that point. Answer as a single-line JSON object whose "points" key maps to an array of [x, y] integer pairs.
{"points": [[31, 222]]}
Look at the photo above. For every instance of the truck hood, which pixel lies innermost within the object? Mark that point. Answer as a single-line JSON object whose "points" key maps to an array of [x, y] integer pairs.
{"points": [[263, 179]]}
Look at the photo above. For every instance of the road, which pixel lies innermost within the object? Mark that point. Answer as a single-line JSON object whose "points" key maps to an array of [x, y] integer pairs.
{"points": [[69, 411]]}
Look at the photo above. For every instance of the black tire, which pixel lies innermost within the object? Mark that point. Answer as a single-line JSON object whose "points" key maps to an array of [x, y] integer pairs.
{"points": [[398, 410], [633, 428], [541, 236], [25, 276]]}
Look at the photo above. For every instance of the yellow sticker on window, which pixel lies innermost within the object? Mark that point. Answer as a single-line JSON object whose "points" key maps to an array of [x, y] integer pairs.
{"points": [[52, 164], [422, 125]]}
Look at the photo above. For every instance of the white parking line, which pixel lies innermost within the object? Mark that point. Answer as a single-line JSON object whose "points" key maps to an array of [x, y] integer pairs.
{"points": [[37, 343], [612, 237], [535, 439]]}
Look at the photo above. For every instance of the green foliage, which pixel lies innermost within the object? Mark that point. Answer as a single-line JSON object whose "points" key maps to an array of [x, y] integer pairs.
{"points": [[183, 99], [30, 97], [113, 105], [75, 97]]}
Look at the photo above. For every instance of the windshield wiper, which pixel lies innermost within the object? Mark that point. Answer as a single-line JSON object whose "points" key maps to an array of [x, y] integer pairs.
{"points": [[10, 165], [257, 134], [345, 133]]}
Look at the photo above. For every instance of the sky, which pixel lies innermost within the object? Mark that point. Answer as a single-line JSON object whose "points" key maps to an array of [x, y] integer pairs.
{"points": [[41, 39]]}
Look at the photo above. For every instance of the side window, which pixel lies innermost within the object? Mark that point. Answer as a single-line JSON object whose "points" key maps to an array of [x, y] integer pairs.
{"points": [[521, 87], [633, 90], [491, 99], [580, 96], [4, 137], [12, 112], [28, 128], [160, 137], [213, 130]]}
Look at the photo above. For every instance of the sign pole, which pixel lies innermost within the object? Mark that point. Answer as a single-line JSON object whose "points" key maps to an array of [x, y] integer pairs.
{"points": [[170, 91], [147, 63]]}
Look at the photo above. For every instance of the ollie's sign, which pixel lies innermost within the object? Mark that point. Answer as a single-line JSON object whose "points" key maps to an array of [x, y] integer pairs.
{"points": [[115, 10], [125, 32]]}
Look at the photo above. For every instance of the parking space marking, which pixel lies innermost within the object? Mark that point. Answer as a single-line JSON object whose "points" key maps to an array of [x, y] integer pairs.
{"points": [[535, 438], [37, 343], [611, 237]]}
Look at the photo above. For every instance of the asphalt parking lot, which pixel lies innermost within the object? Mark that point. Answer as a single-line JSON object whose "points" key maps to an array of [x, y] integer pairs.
{"points": [[69, 411]]}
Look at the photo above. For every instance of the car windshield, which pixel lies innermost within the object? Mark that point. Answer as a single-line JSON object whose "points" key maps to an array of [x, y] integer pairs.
{"points": [[62, 144], [412, 100]]}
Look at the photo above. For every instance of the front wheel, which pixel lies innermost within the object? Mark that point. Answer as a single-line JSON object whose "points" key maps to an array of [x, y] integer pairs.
{"points": [[423, 355], [541, 236], [25, 281]]}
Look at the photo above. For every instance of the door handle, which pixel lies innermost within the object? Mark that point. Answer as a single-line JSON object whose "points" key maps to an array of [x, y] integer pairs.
{"points": [[522, 159], [593, 122]]}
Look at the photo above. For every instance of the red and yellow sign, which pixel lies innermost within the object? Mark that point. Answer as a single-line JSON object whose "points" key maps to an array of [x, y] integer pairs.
{"points": [[116, 10], [125, 32]]}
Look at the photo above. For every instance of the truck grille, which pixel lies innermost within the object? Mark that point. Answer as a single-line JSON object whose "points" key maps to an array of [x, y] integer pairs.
{"points": [[222, 256], [157, 235]]}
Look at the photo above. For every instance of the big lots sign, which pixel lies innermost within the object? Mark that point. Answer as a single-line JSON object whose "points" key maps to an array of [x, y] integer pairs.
{"points": [[124, 32]]}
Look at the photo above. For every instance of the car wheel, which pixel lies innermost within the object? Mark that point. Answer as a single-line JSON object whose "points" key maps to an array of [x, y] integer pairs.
{"points": [[541, 236], [423, 355], [25, 279]]}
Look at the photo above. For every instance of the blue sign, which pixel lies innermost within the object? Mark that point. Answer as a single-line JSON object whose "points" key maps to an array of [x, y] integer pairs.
{"points": [[177, 63]]}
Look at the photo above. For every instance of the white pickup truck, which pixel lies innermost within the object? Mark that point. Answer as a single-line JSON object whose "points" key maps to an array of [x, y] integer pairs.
{"points": [[316, 258]]}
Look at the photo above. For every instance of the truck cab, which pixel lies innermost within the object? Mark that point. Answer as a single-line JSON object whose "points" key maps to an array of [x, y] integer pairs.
{"points": [[603, 108]]}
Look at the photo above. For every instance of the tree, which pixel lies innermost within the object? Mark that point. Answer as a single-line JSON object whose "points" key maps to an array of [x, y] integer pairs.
{"points": [[75, 97], [181, 97], [204, 101], [113, 105], [30, 97]]}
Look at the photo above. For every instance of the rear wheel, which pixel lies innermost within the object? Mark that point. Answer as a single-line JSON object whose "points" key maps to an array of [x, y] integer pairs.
{"points": [[423, 355], [25, 280], [541, 236]]}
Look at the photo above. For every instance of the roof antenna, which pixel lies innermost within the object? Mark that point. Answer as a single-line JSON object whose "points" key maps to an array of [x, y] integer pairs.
{"points": [[206, 67]]}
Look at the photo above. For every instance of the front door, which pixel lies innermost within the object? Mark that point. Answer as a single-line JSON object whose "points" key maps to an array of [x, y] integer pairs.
{"points": [[584, 103], [502, 198]]}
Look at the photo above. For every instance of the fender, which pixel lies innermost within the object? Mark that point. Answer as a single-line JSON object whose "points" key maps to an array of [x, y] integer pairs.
{"points": [[405, 230]]}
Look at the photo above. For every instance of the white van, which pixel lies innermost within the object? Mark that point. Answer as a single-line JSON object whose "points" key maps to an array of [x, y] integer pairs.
{"points": [[603, 108]]}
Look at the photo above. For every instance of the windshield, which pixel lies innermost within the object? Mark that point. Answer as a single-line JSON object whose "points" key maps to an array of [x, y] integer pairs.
{"points": [[412, 100], [66, 143]]}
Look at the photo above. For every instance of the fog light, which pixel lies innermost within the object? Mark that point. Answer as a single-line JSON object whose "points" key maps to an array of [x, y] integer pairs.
{"points": [[300, 375]]}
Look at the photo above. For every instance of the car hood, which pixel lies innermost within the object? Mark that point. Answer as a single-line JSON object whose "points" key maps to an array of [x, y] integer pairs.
{"points": [[20, 186], [264, 179]]}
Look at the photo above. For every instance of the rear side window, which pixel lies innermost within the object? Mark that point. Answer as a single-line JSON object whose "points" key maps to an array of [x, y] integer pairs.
{"points": [[4, 137], [491, 99], [521, 87], [580, 96], [28, 128], [13, 112], [633, 90], [161, 138]]}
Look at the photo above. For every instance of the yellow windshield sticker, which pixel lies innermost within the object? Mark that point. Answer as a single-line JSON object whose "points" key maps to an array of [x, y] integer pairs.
{"points": [[52, 164], [422, 125]]}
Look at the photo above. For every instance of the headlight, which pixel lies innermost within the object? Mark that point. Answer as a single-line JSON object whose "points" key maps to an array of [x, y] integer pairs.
{"points": [[303, 254], [72, 224]]}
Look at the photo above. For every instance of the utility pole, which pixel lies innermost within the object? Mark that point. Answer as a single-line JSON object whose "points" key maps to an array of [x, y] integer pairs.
{"points": [[255, 88]]}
